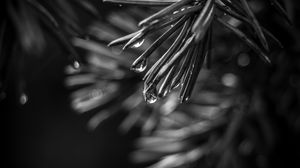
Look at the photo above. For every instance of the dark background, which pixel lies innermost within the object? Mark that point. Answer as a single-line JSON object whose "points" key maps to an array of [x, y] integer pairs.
{"points": [[46, 133]]}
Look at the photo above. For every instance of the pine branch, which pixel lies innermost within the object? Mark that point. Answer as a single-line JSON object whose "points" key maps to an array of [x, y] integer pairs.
{"points": [[189, 21]]}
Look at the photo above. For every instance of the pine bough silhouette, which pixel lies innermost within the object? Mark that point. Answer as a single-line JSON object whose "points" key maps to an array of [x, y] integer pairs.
{"points": [[189, 113]]}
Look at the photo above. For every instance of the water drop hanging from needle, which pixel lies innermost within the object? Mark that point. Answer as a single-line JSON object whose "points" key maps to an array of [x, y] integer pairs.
{"points": [[150, 96], [138, 44], [76, 64], [140, 66], [23, 99]]}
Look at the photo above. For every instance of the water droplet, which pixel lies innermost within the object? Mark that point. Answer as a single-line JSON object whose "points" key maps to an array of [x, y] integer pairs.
{"points": [[138, 44], [175, 12], [151, 99], [140, 66], [120, 5], [185, 98], [76, 65], [172, 25], [229, 80], [182, 9], [23, 99], [150, 95]]}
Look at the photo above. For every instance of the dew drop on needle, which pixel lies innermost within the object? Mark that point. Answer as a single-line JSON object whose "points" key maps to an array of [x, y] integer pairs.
{"points": [[140, 66], [138, 44], [23, 99], [150, 96], [76, 65]]}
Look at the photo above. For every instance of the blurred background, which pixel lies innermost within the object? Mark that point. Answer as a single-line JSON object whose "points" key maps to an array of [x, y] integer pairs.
{"points": [[41, 130]]}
